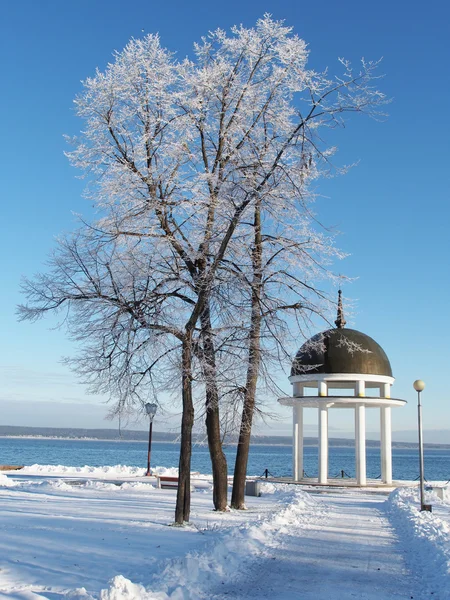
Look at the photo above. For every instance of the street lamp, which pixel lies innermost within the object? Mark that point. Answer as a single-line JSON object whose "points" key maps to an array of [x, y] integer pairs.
{"points": [[150, 409], [419, 386]]}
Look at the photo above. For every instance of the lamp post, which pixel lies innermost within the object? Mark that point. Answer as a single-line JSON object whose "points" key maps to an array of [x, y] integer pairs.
{"points": [[150, 409], [419, 386]]}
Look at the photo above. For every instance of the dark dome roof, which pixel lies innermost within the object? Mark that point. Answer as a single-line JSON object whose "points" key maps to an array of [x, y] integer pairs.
{"points": [[341, 351]]}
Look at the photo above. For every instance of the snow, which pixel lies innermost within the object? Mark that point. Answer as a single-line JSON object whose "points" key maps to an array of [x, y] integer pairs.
{"points": [[57, 537], [6, 481], [114, 471], [93, 533], [426, 536], [345, 550]]}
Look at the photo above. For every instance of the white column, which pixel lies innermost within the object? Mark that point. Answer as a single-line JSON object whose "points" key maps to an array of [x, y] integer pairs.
{"points": [[360, 444], [299, 389], [323, 444], [297, 445], [323, 388], [386, 390], [386, 444], [361, 389]]}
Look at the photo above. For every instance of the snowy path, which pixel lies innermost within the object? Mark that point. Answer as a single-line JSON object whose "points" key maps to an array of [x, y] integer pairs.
{"points": [[351, 553]]}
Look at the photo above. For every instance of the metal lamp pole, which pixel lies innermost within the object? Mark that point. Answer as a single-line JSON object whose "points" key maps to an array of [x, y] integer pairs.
{"points": [[150, 409], [419, 386]]}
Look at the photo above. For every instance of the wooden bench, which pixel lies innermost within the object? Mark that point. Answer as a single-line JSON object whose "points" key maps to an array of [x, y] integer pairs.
{"points": [[168, 483], [165, 482]]}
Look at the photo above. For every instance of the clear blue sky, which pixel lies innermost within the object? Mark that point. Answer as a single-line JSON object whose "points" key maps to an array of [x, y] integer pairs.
{"points": [[392, 210]]}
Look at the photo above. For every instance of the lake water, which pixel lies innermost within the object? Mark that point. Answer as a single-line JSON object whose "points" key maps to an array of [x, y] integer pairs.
{"points": [[277, 459]]}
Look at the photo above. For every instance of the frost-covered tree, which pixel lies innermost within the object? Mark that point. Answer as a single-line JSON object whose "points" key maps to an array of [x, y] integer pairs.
{"points": [[200, 170]]}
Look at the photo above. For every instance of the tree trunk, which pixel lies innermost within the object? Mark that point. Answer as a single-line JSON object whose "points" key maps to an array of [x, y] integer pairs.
{"points": [[218, 459], [183, 505], [254, 358]]}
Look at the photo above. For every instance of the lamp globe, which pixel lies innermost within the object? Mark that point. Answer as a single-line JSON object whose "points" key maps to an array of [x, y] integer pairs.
{"points": [[419, 385]]}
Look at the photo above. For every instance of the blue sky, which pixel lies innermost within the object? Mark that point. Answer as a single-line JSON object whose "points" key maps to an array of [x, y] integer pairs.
{"points": [[392, 209]]}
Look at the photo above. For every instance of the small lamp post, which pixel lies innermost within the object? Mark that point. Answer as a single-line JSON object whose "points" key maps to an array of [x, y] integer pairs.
{"points": [[150, 409], [419, 386]]}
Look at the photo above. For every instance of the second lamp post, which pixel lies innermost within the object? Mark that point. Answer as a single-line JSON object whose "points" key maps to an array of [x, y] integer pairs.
{"points": [[419, 386]]}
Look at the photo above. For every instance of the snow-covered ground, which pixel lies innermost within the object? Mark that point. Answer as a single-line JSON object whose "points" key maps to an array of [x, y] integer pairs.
{"points": [[105, 533], [425, 537]]}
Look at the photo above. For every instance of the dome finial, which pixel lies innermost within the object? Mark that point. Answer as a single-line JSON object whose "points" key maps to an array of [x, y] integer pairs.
{"points": [[340, 321]]}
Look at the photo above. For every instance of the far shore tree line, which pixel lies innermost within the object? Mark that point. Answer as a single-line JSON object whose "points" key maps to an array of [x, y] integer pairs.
{"points": [[206, 258]]}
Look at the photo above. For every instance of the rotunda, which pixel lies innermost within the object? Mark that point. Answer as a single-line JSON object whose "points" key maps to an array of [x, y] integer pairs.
{"points": [[351, 361]]}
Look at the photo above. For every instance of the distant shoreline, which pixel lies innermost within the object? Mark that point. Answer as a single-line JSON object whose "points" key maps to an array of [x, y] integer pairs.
{"points": [[141, 436], [333, 443]]}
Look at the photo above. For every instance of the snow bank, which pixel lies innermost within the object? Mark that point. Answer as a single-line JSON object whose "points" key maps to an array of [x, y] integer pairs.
{"points": [[104, 486], [86, 470], [123, 589], [426, 537], [63, 485], [110, 471], [6, 481], [197, 574], [274, 488]]}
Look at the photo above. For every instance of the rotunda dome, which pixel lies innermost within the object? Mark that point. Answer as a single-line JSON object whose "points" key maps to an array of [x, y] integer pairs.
{"points": [[341, 351]]}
